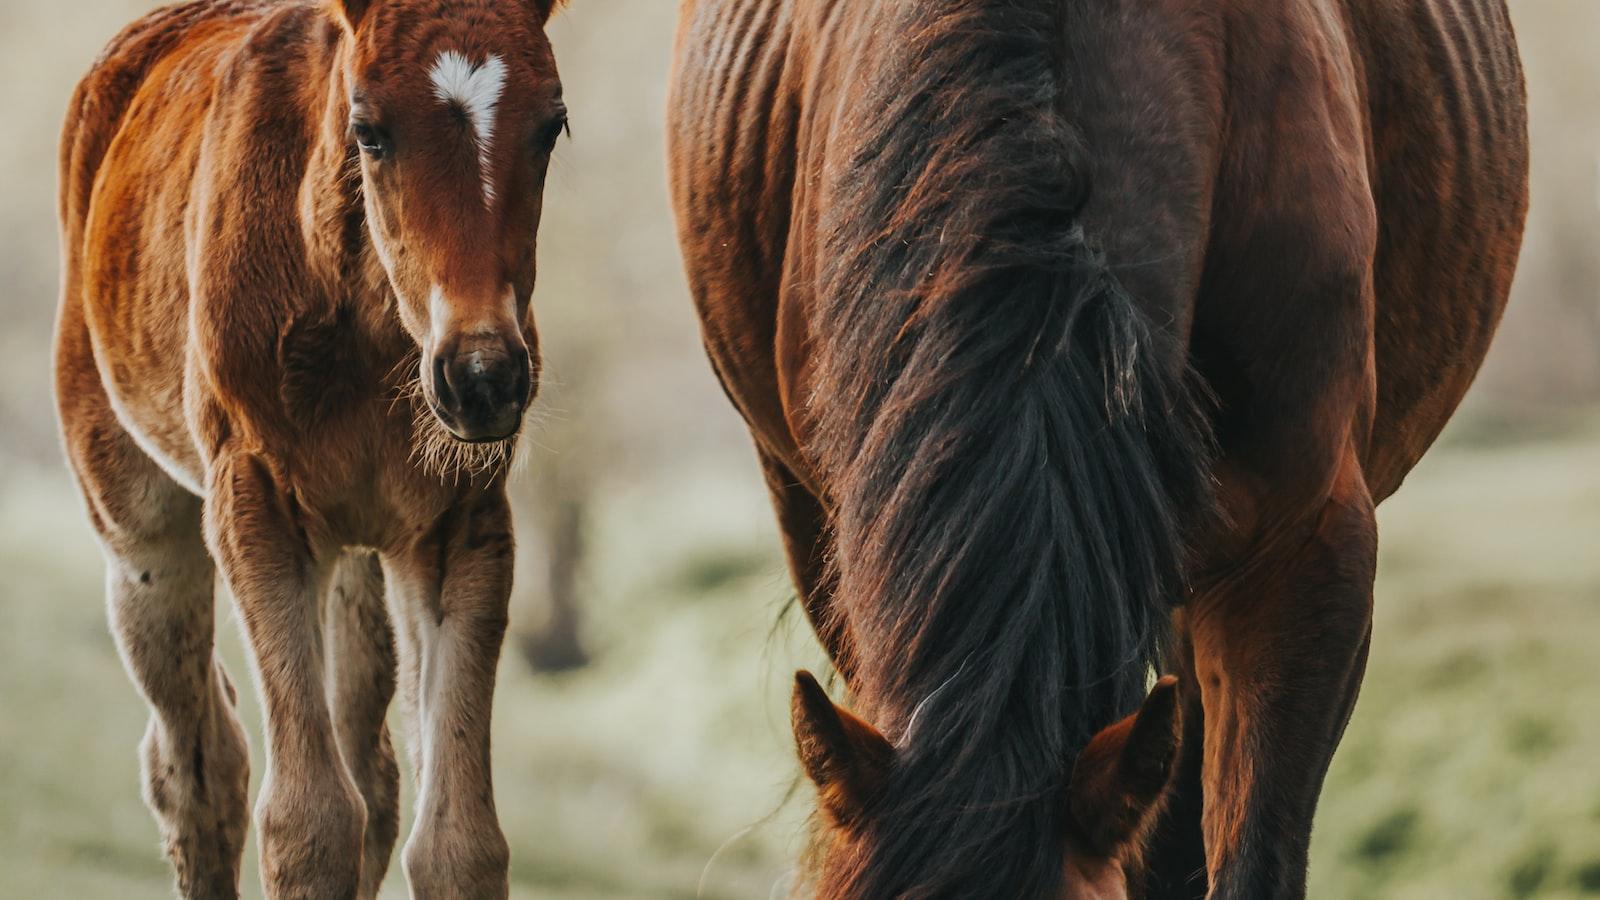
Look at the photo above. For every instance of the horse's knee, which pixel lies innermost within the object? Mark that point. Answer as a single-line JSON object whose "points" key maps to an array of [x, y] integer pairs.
{"points": [[1285, 648], [464, 860], [311, 840], [1300, 594]]}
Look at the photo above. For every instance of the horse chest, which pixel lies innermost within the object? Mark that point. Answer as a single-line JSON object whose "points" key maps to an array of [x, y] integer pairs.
{"points": [[372, 495]]}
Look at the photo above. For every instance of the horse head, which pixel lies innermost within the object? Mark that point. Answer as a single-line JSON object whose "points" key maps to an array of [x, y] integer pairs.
{"points": [[454, 109], [1110, 803]]}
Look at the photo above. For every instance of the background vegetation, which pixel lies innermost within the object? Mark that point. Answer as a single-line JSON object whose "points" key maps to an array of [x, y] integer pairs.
{"points": [[641, 734]]}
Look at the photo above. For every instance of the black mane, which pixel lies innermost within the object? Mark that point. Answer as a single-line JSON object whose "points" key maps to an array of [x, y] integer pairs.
{"points": [[1012, 457]]}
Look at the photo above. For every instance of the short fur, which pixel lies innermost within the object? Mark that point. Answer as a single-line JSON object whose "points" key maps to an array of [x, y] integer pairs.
{"points": [[954, 260], [1017, 408], [248, 373]]}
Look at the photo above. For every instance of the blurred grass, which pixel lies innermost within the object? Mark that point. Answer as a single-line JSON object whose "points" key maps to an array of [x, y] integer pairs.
{"points": [[1468, 771], [619, 781]]}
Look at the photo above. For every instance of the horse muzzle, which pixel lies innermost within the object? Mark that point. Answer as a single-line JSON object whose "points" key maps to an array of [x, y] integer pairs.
{"points": [[480, 387]]}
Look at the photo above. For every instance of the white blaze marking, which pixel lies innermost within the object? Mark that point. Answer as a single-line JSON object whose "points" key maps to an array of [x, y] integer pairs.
{"points": [[477, 89], [440, 314], [438, 311]]}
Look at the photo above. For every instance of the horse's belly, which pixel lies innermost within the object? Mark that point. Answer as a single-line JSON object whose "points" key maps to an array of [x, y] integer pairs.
{"points": [[1452, 194], [148, 402]]}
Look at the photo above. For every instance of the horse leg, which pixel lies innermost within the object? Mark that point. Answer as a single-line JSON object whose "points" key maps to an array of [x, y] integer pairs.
{"points": [[362, 671], [1280, 647], [310, 818], [449, 595], [804, 524], [194, 760]]}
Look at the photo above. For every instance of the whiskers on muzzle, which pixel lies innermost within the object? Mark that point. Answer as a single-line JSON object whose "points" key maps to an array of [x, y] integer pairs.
{"points": [[438, 452]]}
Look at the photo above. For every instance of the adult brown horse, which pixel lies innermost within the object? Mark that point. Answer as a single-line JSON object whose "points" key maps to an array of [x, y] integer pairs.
{"points": [[1051, 317], [295, 345]]}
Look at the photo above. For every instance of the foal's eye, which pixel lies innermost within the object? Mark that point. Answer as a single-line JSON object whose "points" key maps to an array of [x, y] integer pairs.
{"points": [[551, 133], [372, 140]]}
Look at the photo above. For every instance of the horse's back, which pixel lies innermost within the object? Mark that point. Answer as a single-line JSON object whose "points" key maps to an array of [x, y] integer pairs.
{"points": [[1450, 180], [105, 94]]}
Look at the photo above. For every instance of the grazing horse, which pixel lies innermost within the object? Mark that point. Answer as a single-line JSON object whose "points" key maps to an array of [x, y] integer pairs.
{"points": [[295, 347], [1078, 337]]}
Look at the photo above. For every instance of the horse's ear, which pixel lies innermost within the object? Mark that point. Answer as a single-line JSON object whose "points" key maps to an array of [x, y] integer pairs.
{"points": [[546, 8], [1120, 778], [847, 759], [351, 12]]}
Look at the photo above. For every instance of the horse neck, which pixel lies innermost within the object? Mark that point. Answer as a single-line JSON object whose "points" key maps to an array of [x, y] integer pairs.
{"points": [[1010, 466]]}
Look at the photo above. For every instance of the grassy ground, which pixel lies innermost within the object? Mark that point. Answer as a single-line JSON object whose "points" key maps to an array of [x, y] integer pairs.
{"points": [[1468, 772]]}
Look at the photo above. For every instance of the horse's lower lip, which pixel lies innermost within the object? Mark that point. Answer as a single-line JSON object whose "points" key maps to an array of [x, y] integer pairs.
{"points": [[485, 439], [454, 430]]}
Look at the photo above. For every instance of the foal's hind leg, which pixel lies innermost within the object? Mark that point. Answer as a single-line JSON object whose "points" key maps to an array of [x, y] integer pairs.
{"points": [[362, 672], [194, 759]]}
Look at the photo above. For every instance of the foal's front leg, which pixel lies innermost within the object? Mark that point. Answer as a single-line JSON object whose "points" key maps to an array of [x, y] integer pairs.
{"points": [[449, 594], [309, 816], [361, 672]]}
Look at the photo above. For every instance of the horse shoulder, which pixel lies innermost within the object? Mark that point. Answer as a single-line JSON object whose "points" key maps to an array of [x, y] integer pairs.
{"points": [[263, 311]]}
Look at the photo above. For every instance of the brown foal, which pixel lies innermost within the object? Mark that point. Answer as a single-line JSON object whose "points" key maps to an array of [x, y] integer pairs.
{"points": [[295, 347]]}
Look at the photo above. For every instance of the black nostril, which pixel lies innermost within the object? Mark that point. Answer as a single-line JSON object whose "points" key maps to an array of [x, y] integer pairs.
{"points": [[485, 383], [443, 391], [482, 390]]}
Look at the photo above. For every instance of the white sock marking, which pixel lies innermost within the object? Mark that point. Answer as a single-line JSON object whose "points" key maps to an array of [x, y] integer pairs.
{"points": [[477, 89]]}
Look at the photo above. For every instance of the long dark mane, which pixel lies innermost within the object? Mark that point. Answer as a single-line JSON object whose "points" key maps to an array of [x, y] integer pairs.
{"points": [[1011, 452]]}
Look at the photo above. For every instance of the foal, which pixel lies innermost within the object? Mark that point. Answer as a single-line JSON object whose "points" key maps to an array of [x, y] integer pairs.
{"points": [[295, 347]]}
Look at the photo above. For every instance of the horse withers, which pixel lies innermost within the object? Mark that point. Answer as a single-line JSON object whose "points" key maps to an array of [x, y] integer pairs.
{"points": [[295, 347], [1081, 337]]}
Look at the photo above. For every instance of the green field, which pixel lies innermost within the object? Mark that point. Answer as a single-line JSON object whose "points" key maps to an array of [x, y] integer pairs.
{"points": [[1469, 771]]}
